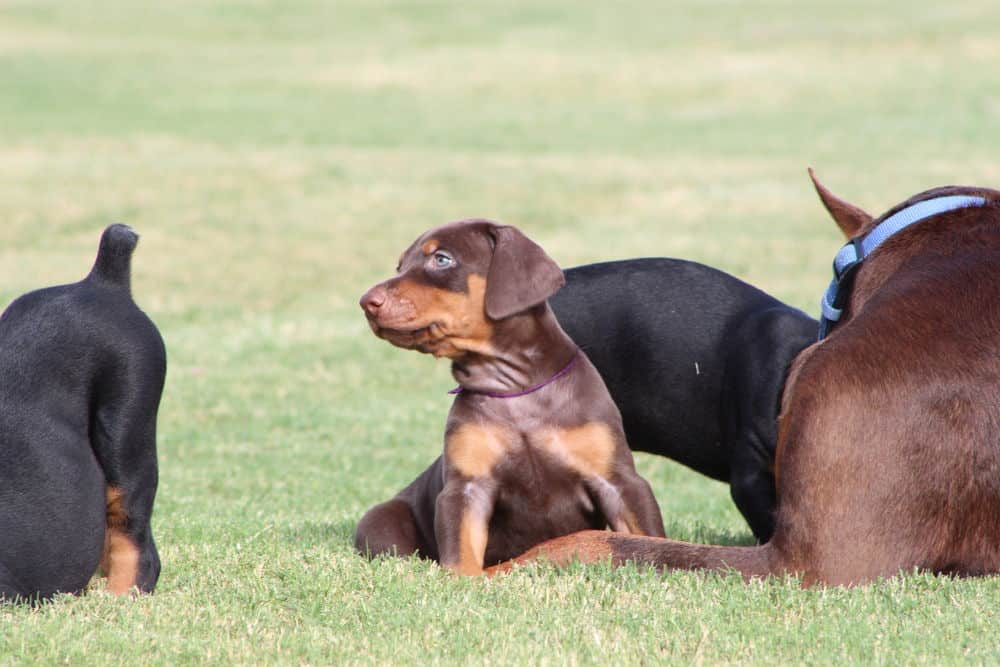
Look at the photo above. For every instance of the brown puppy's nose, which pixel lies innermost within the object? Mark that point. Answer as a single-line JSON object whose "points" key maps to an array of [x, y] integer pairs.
{"points": [[373, 299]]}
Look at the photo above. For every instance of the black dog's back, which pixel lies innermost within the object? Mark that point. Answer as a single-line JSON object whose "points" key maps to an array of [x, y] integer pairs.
{"points": [[695, 360], [67, 355]]}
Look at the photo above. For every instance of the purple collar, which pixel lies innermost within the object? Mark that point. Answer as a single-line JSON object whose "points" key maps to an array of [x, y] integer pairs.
{"points": [[523, 392]]}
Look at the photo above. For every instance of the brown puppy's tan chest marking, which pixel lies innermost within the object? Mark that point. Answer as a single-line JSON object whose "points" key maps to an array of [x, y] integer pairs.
{"points": [[474, 450], [588, 450]]}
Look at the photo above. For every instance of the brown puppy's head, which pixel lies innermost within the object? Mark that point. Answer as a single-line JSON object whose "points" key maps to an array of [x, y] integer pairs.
{"points": [[455, 283]]}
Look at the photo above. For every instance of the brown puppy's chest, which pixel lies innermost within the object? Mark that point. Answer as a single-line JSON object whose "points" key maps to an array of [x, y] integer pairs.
{"points": [[522, 521], [514, 456], [547, 479]]}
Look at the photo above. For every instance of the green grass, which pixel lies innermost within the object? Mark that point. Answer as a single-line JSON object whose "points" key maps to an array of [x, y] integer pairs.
{"points": [[276, 157]]}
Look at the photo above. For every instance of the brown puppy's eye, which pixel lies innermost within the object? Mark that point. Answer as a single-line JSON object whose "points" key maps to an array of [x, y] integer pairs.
{"points": [[442, 260]]}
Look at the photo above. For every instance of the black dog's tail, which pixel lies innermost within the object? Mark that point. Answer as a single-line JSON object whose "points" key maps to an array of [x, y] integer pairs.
{"points": [[114, 256]]}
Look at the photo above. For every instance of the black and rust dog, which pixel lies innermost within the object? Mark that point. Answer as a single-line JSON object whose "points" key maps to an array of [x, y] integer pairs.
{"points": [[534, 446], [81, 373], [888, 455], [696, 361]]}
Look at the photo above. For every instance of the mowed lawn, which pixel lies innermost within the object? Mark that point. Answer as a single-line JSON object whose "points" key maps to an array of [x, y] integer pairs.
{"points": [[277, 156]]}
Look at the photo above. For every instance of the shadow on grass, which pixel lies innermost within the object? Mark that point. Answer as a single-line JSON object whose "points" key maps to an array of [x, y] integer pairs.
{"points": [[321, 532]]}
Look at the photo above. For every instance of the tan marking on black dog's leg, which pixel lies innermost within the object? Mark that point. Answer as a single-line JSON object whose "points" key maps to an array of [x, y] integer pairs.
{"points": [[120, 560]]}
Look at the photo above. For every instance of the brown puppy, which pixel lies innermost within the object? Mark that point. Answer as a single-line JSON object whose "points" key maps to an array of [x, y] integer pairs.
{"points": [[534, 446], [888, 455]]}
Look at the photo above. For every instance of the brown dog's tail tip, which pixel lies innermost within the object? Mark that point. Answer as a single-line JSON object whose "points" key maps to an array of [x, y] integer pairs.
{"points": [[114, 255]]}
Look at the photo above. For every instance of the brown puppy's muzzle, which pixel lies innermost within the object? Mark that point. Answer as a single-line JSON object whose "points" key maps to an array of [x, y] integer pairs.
{"points": [[393, 319]]}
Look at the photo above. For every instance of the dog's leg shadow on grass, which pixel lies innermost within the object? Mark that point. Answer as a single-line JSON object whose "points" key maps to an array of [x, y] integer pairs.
{"points": [[318, 533]]}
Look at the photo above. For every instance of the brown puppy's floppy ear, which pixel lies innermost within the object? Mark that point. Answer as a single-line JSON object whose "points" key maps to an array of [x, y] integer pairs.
{"points": [[848, 217], [521, 275]]}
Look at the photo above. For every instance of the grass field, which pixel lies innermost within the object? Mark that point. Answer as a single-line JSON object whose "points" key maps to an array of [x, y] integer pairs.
{"points": [[277, 156]]}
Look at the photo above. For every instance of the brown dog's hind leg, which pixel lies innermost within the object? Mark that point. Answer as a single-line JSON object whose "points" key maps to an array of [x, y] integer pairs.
{"points": [[388, 528]]}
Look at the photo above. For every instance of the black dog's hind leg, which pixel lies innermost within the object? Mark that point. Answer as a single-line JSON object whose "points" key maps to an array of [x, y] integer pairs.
{"points": [[123, 436], [763, 347], [753, 492]]}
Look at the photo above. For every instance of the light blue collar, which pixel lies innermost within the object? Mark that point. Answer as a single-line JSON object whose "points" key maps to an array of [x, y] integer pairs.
{"points": [[857, 249]]}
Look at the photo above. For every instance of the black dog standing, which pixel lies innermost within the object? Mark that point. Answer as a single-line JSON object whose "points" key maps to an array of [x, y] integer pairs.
{"points": [[81, 373], [696, 361]]}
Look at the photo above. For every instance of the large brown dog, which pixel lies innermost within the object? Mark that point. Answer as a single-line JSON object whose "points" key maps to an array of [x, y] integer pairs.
{"points": [[888, 455], [534, 446]]}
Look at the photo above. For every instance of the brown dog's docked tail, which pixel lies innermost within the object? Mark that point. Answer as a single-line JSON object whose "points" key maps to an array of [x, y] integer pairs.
{"points": [[114, 256]]}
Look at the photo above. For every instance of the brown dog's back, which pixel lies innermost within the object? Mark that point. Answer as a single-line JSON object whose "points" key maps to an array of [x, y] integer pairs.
{"points": [[900, 412]]}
